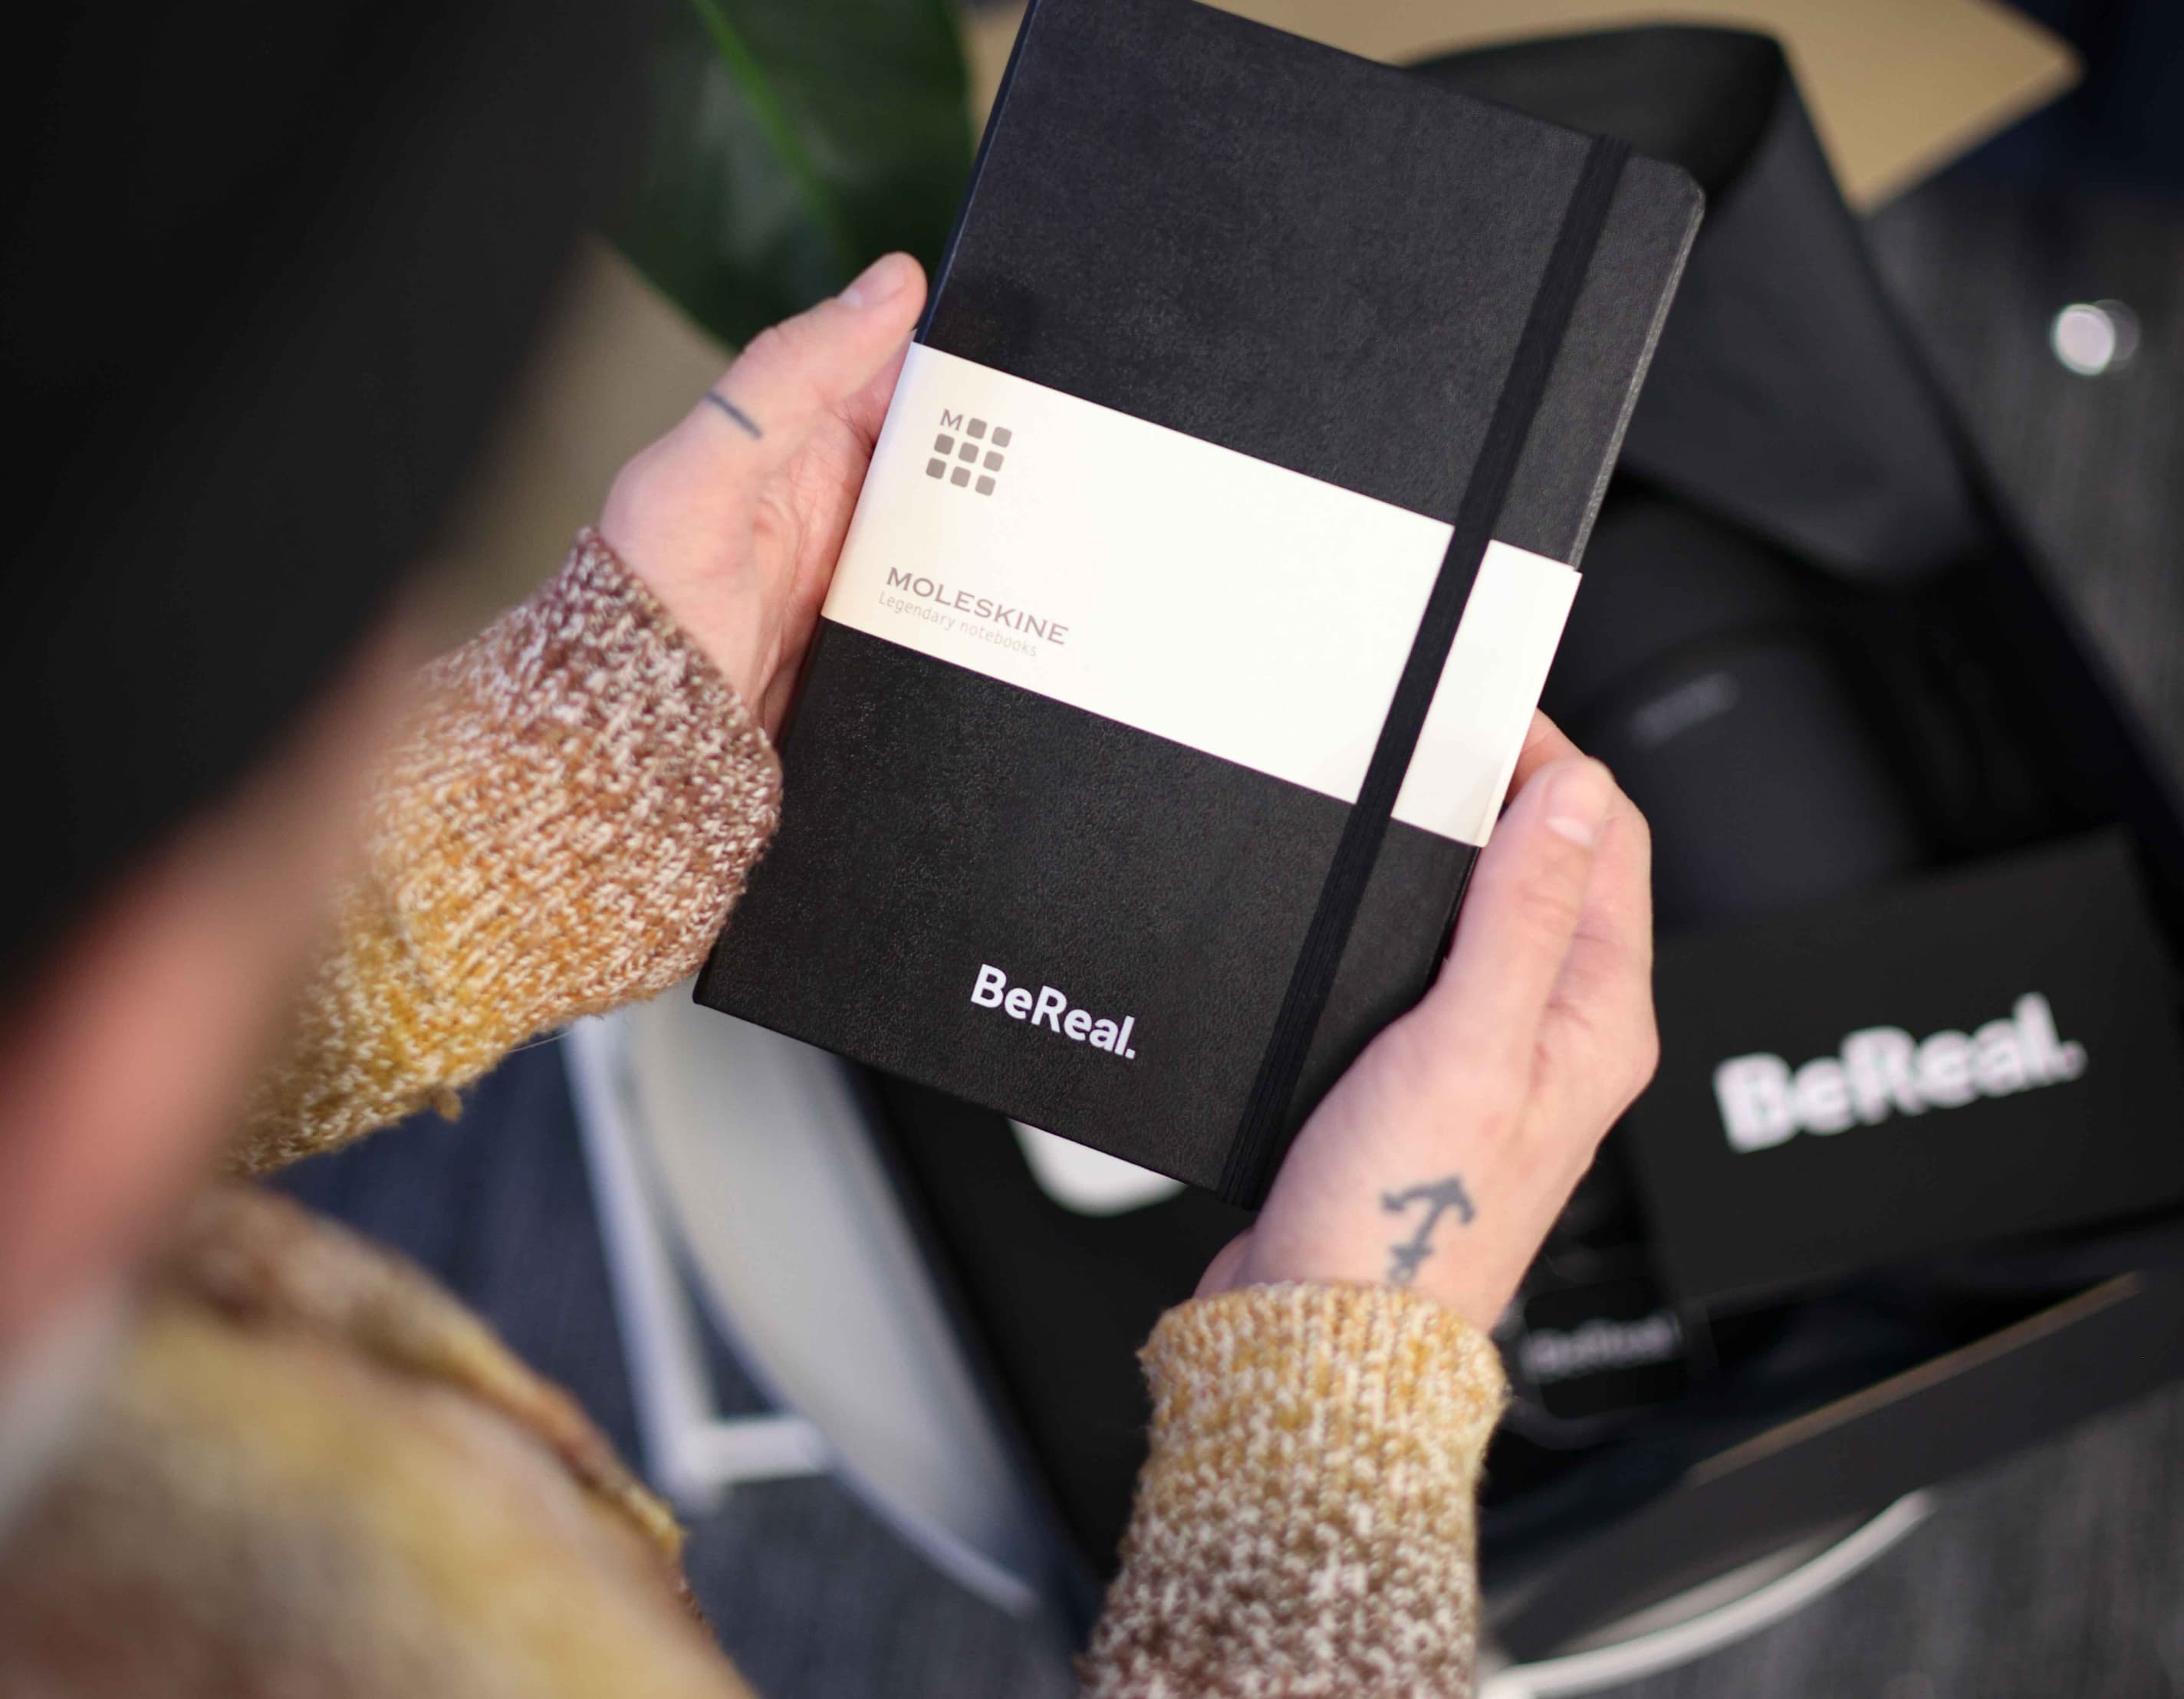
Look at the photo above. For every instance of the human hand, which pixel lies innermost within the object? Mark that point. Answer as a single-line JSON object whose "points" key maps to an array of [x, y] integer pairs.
{"points": [[1442, 1157], [735, 517]]}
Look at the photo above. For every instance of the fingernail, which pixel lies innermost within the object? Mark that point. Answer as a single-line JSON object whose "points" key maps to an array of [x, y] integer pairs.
{"points": [[885, 279], [1577, 805]]}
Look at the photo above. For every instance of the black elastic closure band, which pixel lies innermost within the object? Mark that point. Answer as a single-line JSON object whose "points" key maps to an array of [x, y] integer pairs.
{"points": [[1263, 1136]]}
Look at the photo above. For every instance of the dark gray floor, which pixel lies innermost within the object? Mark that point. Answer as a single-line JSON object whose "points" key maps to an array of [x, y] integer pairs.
{"points": [[814, 1598], [2060, 1573]]}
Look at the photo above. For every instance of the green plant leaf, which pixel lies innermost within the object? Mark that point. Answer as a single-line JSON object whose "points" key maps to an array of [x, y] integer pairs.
{"points": [[793, 142]]}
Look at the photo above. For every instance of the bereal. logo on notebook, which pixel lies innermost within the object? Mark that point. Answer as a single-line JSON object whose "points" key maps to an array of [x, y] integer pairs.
{"points": [[965, 449], [991, 990]]}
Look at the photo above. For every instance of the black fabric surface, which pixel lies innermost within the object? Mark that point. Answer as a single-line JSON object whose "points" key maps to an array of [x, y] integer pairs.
{"points": [[1784, 394], [1709, 670]]}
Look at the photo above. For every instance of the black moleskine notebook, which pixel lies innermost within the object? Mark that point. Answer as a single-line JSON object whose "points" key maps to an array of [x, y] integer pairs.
{"points": [[1205, 576]]}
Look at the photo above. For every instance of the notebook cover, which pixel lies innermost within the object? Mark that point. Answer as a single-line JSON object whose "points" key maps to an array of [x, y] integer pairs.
{"points": [[1212, 228]]}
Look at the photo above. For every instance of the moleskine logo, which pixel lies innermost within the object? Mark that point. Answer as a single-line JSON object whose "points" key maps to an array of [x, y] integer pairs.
{"points": [[1883, 1070], [960, 458], [992, 990]]}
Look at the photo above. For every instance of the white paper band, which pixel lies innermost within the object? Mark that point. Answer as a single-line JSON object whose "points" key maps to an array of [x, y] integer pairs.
{"points": [[1187, 590]]}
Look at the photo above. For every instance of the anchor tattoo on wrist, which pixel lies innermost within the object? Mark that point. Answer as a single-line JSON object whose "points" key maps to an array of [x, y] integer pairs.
{"points": [[1407, 1255]]}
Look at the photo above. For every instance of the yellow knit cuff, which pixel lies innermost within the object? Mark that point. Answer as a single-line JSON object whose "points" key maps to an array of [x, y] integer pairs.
{"points": [[562, 828], [1305, 1523]]}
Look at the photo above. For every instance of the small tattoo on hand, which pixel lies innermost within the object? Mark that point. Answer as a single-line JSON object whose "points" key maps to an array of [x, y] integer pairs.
{"points": [[1406, 1258], [735, 412]]}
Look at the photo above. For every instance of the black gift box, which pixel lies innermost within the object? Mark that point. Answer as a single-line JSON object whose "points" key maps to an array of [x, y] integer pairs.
{"points": [[1960, 1060], [1059, 839], [1787, 455]]}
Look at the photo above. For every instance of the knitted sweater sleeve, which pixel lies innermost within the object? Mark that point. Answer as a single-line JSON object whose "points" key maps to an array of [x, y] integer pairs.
{"points": [[1306, 1524], [562, 828]]}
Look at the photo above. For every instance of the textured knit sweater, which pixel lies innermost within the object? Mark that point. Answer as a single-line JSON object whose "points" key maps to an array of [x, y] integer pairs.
{"points": [[315, 1473]]}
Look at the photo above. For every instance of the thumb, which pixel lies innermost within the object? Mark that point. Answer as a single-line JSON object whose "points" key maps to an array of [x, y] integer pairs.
{"points": [[809, 368], [704, 478], [1521, 915], [1227, 1261]]}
